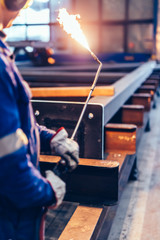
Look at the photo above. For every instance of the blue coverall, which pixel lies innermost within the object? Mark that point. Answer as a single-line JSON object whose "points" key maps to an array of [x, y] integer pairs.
{"points": [[23, 191]]}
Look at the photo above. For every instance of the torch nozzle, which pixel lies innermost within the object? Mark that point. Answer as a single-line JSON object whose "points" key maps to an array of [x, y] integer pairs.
{"points": [[95, 57]]}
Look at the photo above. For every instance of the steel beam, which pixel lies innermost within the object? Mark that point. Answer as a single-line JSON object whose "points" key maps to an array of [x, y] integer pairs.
{"points": [[124, 88]]}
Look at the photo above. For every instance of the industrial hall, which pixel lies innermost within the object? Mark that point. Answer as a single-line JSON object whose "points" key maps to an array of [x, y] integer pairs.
{"points": [[79, 119]]}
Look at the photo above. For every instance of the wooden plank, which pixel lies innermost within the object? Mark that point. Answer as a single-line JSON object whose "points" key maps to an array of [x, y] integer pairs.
{"points": [[71, 91], [142, 99], [118, 156], [147, 89], [111, 159], [82, 223], [133, 114], [152, 82], [58, 217], [92, 182], [120, 137], [82, 161], [124, 127]]}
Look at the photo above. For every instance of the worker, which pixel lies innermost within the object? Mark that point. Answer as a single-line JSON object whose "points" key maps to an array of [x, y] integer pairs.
{"points": [[24, 192]]}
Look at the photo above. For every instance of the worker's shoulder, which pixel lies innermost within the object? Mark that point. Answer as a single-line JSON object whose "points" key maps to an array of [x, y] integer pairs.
{"points": [[5, 51], [5, 58]]}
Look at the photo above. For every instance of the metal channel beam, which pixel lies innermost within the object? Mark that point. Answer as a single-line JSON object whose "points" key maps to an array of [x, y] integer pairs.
{"points": [[99, 111], [74, 75], [59, 78], [124, 88], [69, 77], [78, 67]]}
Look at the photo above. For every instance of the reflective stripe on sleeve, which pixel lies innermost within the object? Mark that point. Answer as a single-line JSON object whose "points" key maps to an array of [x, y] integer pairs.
{"points": [[13, 142]]}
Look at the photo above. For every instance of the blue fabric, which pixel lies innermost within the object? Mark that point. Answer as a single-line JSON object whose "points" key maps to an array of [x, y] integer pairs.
{"points": [[23, 190]]}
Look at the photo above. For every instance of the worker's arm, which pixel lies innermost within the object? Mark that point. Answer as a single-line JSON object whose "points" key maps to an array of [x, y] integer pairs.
{"points": [[23, 184], [45, 138], [20, 182]]}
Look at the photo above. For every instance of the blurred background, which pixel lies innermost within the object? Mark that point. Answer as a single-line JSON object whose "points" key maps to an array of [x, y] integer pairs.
{"points": [[119, 31]]}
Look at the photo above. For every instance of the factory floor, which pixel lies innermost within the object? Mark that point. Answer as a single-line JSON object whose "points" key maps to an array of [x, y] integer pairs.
{"points": [[138, 214]]}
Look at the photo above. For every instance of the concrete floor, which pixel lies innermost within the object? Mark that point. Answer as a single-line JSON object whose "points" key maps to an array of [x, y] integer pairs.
{"points": [[138, 215]]}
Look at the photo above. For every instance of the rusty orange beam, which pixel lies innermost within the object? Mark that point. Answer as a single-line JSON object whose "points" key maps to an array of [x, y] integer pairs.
{"points": [[71, 91]]}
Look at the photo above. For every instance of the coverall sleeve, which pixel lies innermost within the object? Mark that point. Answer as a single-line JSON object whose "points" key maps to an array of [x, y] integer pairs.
{"points": [[45, 137], [20, 181]]}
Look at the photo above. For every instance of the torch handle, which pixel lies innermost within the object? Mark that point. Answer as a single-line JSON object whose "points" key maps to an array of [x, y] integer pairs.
{"points": [[61, 167], [88, 98]]}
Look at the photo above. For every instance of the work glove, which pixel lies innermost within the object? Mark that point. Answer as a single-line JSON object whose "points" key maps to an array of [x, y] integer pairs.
{"points": [[65, 147], [58, 186]]}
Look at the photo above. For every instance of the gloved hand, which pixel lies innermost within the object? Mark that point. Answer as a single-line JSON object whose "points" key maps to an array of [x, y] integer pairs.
{"points": [[59, 187], [65, 147]]}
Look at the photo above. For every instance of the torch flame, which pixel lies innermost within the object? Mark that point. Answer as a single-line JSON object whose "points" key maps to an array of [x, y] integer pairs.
{"points": [[71, 25]]}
